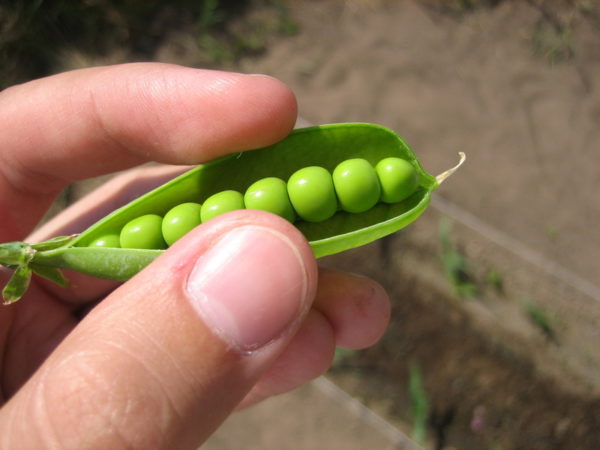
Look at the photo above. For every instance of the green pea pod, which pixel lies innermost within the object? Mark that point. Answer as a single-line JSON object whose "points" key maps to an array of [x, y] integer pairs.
{"points": [[324, 146]]}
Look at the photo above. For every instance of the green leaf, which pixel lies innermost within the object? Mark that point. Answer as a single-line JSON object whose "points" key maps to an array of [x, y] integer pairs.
{"points": [[419, 406], [53, 243], [17, 285], [50, 273]]}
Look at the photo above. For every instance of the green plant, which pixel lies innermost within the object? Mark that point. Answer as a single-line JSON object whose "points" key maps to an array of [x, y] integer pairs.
{"points": [[541, 318], [210, 14], [419, 406], [323, 146], [456, 266], [494, 279], [285, 23], [341, 355], [552, 36], [555, 44], [223, 38], [462, 7]]}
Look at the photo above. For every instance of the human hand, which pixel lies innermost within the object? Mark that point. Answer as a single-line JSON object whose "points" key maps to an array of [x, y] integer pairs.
{"points": [[234, 312]]}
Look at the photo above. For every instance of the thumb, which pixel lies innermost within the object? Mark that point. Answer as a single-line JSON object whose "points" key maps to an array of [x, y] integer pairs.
{"points": [[163, 360]]}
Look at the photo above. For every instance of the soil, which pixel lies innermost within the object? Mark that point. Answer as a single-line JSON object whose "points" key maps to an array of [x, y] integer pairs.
{"points": [[515, 85]]}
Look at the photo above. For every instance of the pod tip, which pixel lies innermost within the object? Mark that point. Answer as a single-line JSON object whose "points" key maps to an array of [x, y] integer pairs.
{"points": [[442, 176]]}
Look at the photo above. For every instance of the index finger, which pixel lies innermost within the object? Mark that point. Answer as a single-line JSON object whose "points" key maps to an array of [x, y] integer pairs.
{"points": [[94, 121]]}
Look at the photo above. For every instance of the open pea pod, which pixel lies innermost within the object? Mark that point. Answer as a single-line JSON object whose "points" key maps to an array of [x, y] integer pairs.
{"points": [[324, 146]]}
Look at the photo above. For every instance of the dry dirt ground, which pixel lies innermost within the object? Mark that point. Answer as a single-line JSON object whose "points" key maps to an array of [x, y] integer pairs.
{"points": [[521, 96], [516, 87]]}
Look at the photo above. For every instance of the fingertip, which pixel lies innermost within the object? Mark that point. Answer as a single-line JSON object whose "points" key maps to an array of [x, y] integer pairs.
{"points": [[270, 111], [315, 341], [194, 115], [279, 108], [358, 308], [308, 356], [376, 308]]}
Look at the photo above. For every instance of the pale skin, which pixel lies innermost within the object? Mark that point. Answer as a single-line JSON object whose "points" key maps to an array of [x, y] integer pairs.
{"points": [[161, 360]]}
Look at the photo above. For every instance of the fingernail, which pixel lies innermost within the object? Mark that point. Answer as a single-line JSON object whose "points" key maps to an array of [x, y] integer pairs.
{"points": [[250, 287]]}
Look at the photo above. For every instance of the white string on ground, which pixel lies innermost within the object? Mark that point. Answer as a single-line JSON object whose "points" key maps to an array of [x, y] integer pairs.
{"points": [[516, 247], [396, 436]]}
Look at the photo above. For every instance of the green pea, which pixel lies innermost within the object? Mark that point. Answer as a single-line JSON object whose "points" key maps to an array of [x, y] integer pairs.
{"points": [[398, 179], [220, 203], [312, 194], [180, 220], [270, 194], [110, 240], [356, 185], [143, 232]]}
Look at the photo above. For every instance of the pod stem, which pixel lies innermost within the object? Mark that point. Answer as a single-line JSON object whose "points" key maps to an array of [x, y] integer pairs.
{"points": [[19, 256], [442, 176]]}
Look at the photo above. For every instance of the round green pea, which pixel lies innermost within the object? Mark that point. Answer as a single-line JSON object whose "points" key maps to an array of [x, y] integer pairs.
{"points": [[144, 232], [312, 194], [398, 179], [110, 240], [220, 203], [180, 220], [356, 185], [270, 194]]}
